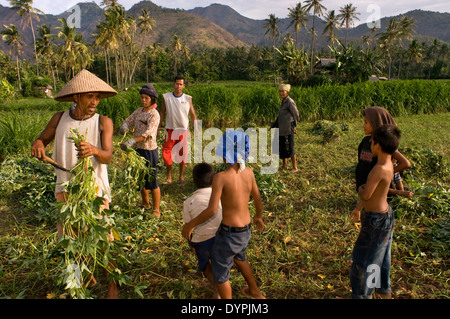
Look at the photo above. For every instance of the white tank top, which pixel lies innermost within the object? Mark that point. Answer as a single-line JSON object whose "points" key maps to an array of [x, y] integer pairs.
{"points": [[65, 153], [177, 110]]}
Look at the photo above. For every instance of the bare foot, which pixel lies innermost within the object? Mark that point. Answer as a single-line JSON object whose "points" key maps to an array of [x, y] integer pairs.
{"points": [[90, 281], [156, 213], [113, 291], [256, 295]]}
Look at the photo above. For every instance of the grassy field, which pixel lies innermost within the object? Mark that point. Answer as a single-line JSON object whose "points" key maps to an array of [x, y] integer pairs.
{"points": [[301, 254]]}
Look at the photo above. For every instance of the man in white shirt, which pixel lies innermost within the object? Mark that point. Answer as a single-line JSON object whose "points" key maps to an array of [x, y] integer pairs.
{"points": [[176, 108]]}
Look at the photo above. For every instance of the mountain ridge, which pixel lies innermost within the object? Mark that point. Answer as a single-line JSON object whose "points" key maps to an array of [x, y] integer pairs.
{"points": [[219, 26]]}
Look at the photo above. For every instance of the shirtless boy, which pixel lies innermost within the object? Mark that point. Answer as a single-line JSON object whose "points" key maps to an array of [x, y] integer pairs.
{"points": [[233, 188], [372, 251]]}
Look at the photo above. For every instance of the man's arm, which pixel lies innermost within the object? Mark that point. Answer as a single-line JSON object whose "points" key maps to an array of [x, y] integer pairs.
{"points": [[294, 112], [46, 136], [104, 154], [162, 113], [210, 211], [193, 117]]}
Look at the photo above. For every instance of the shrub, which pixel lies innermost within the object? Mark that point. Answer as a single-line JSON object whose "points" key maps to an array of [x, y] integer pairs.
{"points": [[331, 131], [7, 92]]}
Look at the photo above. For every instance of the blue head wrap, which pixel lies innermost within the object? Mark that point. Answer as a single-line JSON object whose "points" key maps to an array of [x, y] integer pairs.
{"points": [[234, 146]]}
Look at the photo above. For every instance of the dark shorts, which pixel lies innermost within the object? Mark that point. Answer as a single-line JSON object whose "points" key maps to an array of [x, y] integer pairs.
{"points": [[203, 251], [152, 157], [286, 146], [372, 255], [228, 246]]}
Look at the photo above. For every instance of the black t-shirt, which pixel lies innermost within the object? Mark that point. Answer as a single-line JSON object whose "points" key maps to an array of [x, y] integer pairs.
{"points": [[366, 161]]}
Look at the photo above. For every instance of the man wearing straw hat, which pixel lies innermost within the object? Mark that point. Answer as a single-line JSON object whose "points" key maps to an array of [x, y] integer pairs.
{"points": [[85, 90]]}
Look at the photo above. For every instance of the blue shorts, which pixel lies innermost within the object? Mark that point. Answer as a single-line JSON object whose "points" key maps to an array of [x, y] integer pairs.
{"points": [[228, 246], [203, 251], [152, 157]]}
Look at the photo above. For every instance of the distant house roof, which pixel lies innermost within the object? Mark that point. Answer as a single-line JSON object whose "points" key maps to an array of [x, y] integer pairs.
{"points": [[325, 63]]}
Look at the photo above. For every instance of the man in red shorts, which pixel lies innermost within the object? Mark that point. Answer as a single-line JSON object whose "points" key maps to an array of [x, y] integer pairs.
{"points": [[176, 108]]}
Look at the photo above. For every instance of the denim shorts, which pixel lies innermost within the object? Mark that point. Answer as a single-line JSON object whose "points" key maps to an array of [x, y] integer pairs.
{"points": [[372, 255], [228, 246], [203, 251]]}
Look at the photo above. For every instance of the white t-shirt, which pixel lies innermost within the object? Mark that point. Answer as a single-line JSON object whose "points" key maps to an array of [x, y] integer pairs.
{"points": [[177, 110], [65, 153], [193, 206]]}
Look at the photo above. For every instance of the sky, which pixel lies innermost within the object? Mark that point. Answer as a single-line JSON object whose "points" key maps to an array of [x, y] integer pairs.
{"points": [[260, 9]]}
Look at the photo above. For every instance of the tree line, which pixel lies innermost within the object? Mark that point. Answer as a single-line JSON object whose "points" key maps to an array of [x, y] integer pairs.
{"points": [[120, 55]]}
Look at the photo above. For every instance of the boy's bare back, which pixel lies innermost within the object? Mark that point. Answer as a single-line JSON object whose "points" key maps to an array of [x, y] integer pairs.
{"points": [[236, 188], [374, 192]]}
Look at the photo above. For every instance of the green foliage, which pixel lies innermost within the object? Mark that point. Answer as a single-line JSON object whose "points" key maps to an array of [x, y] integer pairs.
{"points": [[331, 131], [87, 230], [7, 92], [223, 105], [428, 200], [128, 178], [34, 180], [426, 162], [300, 254], [17, 134]]}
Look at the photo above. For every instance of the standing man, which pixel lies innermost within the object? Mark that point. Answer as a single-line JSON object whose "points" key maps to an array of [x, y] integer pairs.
{"points": [[85, 90], [178, 106], [287, 121]]}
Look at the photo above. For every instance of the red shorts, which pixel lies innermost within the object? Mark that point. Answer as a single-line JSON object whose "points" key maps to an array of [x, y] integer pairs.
{"points": [[175, 147]]}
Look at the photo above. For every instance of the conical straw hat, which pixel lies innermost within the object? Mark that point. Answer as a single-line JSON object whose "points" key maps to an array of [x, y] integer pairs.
{"points": [[84, 82]]}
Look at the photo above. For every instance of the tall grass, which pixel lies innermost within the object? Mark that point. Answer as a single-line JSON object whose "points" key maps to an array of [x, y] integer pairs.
{"points": [[220, 104], [237, 103], [19, 129]]}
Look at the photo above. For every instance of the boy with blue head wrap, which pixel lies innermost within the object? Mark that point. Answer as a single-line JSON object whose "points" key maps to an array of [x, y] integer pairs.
{"points": [[233, 188], [234, 147]]}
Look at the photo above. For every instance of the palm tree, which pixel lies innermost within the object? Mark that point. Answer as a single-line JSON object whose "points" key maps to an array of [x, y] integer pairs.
{"points": [[185, 51], [346, 15], [317, 9], [387, 40], [413, 54], [12, 37], [26, 11], [299, 17], [73, 53], [331, 23], [272, 27], [145, 23], [44, 47], [175, 47], [115, 34], [405, 33], [110, 4], [406, 27]]}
